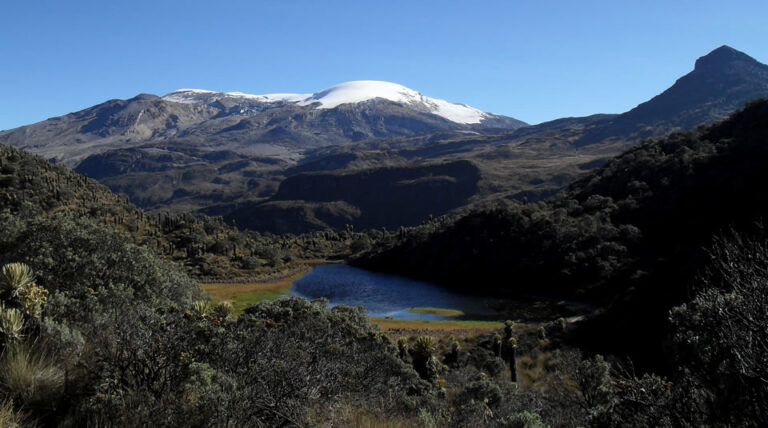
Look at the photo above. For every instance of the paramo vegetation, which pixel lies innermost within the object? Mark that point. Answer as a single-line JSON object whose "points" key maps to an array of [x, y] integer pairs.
{"points": [[101, 323]]}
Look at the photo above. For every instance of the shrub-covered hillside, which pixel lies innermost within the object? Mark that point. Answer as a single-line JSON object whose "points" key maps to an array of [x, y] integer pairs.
{"points": [[97, 331], [632, 235], [31, 187], [98, 328]]}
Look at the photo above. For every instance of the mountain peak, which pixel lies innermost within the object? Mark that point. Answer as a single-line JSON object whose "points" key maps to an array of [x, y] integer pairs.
{"points": [[720, 83], [144, 96], [722, 57], [358, 91], [361, 90], [353, 92]]}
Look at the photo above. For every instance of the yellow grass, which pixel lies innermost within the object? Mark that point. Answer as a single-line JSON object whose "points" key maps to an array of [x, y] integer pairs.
{"points": [[427, 325], [242, 295], [443, 312]]}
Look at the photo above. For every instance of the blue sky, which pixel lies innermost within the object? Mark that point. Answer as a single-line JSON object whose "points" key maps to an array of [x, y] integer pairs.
{"points": [[532, 60]]}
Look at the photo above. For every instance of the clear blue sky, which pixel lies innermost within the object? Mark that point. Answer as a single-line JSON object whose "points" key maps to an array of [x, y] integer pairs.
{"points": [[533, 60]]}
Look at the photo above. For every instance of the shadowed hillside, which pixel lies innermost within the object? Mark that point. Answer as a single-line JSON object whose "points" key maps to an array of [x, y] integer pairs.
{"points": [[630, 236], [365, 199], [32, 188]]}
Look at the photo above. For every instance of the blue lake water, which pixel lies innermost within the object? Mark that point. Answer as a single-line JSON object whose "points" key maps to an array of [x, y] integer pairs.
{"points": [[382, 295]]}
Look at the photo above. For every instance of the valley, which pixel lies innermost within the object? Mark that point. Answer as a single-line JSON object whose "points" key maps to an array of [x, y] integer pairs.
{"points": [[237, 155], [367, 255]]}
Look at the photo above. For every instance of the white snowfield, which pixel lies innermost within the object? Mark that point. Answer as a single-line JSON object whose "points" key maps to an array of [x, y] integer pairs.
{"points": [[346, 93]]}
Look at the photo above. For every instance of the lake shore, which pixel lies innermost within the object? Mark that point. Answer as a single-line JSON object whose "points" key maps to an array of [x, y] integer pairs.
{"points": [[248, 292], [268, 275]]}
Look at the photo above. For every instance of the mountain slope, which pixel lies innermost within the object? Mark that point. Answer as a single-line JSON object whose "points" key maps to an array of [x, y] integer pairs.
{"points": [[35, 190], [631, 236], [107, 126], [367, 198], [278, 125], [720, 83], [534, 162], [217, 152]]}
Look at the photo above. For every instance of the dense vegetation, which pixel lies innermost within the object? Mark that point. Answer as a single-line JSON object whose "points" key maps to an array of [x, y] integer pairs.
{"points": [[105, 333], [635, 237], [99, 326], [31, 187], [103, 330]]}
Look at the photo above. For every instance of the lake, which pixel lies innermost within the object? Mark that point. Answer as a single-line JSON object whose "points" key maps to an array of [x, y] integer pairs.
{"points": [[383, 295]]}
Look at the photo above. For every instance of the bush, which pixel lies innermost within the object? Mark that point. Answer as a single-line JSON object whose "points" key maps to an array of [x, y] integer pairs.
{"points": [[721, 336], [276, 362], [90, 268]]}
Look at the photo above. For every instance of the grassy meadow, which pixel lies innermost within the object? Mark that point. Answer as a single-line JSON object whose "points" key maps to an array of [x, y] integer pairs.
{"points": [[242, 295], [442, 312]]}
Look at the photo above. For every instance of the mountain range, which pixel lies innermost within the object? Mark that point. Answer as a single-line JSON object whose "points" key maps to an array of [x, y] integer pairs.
{"points": [[254, 158], [275, 125]]}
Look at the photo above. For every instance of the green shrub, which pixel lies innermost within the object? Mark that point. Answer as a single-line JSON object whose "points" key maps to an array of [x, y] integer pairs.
{"points": [[224, 310], [91, 269]]}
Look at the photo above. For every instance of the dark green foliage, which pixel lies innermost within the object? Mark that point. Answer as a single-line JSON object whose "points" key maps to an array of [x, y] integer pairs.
{"points": [[629, 236], [694, 185], [88, 267], [134, 356], [31, 187], [721, 336], [452, 357], [277, 361], [423, 355], [556, 250], [647, 401], [137, 368]]}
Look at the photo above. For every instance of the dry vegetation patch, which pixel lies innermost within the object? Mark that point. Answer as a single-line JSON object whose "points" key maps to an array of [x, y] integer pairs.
{"points": [[443, 312], [242, 295]]}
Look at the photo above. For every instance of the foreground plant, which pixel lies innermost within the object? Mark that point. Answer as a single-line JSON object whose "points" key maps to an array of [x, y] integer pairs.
{"points": [[423, 354], [29, 374], [15, 277], [13, 418], [18, 283], [11, 323]]}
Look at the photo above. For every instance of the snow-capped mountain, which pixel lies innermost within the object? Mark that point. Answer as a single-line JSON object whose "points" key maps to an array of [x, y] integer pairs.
{"points": [[195, 149], [345, 93], [202, 96], [274, 125]]}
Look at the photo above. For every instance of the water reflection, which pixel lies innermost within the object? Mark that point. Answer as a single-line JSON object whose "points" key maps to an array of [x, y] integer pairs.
{"points": [[382, 295]]}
